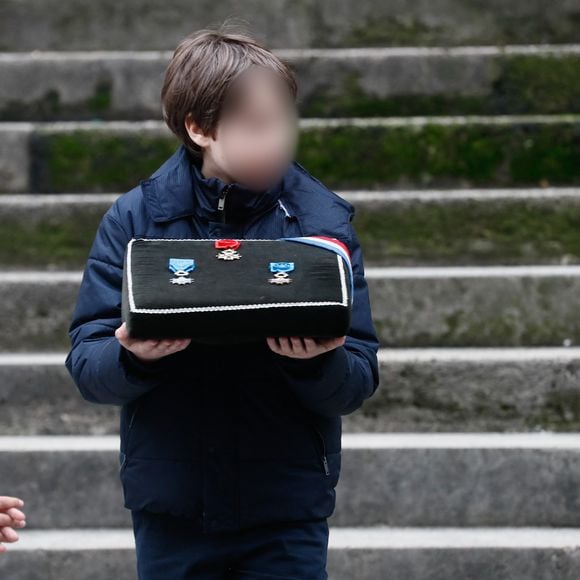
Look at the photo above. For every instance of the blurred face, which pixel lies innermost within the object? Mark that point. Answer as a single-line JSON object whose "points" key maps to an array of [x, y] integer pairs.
{"points": [[257, 133]]}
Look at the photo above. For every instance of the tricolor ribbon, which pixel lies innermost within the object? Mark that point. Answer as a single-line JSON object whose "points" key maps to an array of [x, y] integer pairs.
{"points": [[332, 244]]}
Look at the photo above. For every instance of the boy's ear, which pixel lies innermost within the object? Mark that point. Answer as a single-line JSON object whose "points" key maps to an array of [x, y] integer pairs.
{"points": [[195, 133]]}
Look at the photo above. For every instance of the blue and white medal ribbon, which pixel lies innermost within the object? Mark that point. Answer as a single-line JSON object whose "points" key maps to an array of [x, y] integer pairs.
{"points": [[181, 267], [280, 270]]}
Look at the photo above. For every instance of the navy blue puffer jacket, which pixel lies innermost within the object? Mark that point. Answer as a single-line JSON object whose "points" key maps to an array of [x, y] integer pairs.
{"points": [[229, 436]]}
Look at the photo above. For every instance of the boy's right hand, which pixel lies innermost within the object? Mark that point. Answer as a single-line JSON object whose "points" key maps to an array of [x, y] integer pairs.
{"points": [[150, 350]]}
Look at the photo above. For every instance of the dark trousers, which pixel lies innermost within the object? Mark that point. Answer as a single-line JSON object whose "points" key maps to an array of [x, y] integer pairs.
{"points": [[169, 548]]}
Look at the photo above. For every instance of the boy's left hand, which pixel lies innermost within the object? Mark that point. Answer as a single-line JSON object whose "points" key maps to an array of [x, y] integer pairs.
{"points": [[303, 346]]}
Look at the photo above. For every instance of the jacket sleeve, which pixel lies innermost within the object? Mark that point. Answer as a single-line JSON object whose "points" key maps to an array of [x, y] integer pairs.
{"points": [[338, 381], [102, 369]]}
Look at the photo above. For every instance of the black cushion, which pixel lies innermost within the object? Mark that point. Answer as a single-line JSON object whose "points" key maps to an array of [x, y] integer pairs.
{"points": [[233, 300]]}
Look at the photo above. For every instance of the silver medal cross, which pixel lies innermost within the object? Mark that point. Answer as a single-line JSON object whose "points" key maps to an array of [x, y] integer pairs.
{"points": [[229, 254]]}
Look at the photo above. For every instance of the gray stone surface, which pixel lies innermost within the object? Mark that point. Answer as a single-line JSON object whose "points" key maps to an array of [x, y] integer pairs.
{"points": [[89, 86], [484, 481], [454, 563], [15, 163], [41, 399], [473, 390], [54, 231], [476, 306], [459, 487], [127, 85], [73, 24], [66, 489], [37, 310], [467, 227], [54, 146], [512, 554], [48, 232], [70, 565], [401, 463], [421, 390], [411, 307]]}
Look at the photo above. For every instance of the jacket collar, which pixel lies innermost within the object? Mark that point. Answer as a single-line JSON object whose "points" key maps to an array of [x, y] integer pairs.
{"points": [[178, 189]]}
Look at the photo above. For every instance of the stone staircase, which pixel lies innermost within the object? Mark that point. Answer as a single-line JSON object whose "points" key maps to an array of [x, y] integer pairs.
{"points": [[454, 128]]}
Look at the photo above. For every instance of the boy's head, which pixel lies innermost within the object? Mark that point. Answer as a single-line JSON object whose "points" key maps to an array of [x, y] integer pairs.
{"points": [[232, 102]]}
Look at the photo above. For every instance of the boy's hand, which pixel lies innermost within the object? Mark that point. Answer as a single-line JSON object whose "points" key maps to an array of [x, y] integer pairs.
{"points": [[303, 347], [150, 350], [10, 517]]}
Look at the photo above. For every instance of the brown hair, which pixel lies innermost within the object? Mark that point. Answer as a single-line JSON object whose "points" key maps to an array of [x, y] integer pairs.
{"points": [[201, 70]]}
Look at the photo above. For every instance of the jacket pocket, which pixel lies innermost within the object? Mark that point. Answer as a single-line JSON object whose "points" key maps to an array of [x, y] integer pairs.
{"points": [[134, 414], [130, 426], [320, 444], [122, 462]]}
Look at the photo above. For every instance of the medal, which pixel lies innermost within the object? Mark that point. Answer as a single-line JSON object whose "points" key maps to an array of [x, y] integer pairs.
{"points": [[280, 270], [228, 248], [181, 267]]}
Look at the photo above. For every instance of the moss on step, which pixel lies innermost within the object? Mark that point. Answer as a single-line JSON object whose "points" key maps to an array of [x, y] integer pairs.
{"points": [[50, 107], [403, 233], [390, 31], [537, 84], [343, 157], [470, 232], [560, 412], [408, 29], [522, 85], [438, 155], [97, 161], [49, 244], [519, 84]]}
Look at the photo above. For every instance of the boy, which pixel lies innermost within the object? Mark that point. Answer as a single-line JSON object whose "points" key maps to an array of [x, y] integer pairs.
{"points": [[229, 454], [10, 517]]}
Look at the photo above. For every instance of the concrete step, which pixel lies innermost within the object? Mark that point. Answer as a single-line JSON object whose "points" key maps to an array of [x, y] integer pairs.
{"points": [[486, 151], [71, 25], [410, 479], [459, 479], [37, 309], [412, 307], [38, 397], [398, 228], [475, 306], [473, 389], [468, 226], [421, 390], [365, 553], [363, 82], [49, 231]]}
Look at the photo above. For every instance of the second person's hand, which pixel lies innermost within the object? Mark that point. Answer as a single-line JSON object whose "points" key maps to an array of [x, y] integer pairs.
{"points": [[10, 517]]}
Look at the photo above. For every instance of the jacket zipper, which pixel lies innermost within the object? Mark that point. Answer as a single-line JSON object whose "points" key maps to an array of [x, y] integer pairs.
{"points": [[222, 201], [324, 458]]}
